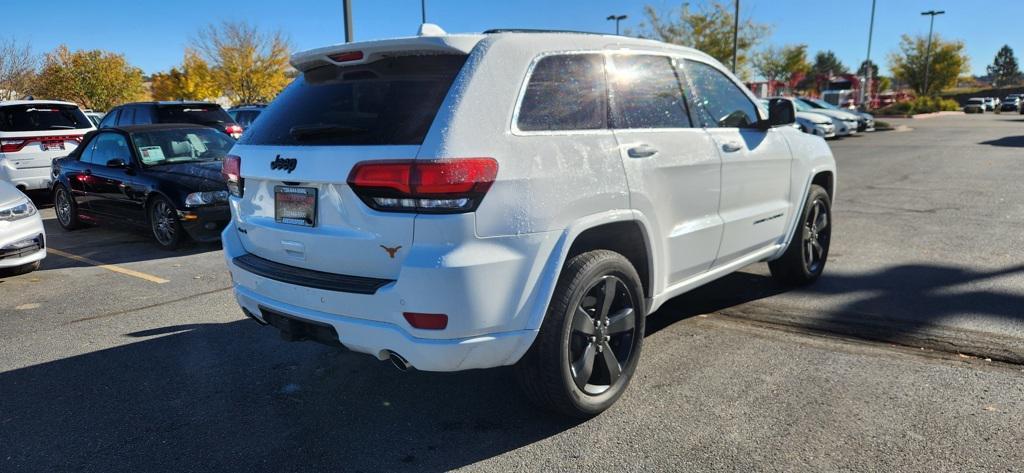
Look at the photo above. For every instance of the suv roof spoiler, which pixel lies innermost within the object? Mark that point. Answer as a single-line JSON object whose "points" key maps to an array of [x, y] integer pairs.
{"points": [[370, 51]]}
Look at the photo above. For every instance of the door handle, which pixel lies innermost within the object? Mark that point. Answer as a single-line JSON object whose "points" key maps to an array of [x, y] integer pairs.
{"points": [[642, 151], [731, 147]]}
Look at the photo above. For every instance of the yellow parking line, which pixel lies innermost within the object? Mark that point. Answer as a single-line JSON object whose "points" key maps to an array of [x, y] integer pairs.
{"points": [[109, 267]]}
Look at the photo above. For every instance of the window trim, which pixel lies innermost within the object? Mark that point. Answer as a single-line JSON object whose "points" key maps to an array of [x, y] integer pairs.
{"points": [[742, 89], [514, 126]]}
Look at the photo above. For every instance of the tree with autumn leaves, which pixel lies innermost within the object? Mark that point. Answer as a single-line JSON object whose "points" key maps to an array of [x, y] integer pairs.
{"points": [[233, 60]]}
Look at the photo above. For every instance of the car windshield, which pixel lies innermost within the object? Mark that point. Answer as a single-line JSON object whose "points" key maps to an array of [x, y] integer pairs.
{"points": [[43, 116], [801, 106], [823, 104], [392, 101], [183, 145], [199, 114]]}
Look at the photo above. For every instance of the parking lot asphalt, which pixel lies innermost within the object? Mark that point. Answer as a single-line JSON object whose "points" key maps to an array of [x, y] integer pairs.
{"points": [[149, 365]]}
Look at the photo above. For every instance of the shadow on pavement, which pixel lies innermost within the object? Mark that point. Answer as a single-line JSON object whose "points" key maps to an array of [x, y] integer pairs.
{"points": [[180, 401], [1007, 141]]}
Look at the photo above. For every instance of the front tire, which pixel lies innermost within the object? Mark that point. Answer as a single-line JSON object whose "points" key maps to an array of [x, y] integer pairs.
{"points": [[805, 258], [165, 224], [590, 341]]}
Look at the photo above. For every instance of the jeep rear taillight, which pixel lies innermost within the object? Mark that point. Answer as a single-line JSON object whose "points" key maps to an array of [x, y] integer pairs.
{"points": [[443, 186], [231, 169]]}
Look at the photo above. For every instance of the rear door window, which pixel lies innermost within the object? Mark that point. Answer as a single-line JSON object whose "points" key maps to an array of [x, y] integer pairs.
{"points": [[392, 101], [42, 117], [647, 92], [127, 116], [199, 114], [565, 92], [110, 118]]}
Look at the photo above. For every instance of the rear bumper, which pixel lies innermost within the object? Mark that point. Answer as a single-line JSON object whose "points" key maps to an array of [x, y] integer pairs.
{"points": [[25, 178], [23, 242], [493, 290]]}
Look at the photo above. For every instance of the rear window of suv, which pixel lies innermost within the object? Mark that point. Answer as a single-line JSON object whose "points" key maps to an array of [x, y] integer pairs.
{"points": [[42, 117], [388, 102], [198, 114]]}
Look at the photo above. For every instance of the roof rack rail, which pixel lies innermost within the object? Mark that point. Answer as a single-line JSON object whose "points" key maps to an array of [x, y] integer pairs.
{"points": [[529, 30]]}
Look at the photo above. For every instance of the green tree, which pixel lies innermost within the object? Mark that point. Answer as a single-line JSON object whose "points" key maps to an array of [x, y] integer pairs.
{"points": [[862, 71], [884, 84], [1004, 69], [249, 65], [94, 79], [708, 29], [948, 61], [781, 63], [827, 64], [196, 80], [796, 59], [17, 69]]}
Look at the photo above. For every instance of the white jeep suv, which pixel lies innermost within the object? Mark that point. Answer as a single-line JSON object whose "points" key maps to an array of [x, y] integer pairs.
{"points": [[452, 202], [32, 134]]}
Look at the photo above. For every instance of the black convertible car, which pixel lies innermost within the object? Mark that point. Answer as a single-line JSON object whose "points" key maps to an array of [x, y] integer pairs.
{"points": [[162, 177]]}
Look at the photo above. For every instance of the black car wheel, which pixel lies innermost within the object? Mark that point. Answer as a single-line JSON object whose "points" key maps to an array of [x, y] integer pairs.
{"points": [[805, 258], [163, 220], [590, 341], [66, 209]]}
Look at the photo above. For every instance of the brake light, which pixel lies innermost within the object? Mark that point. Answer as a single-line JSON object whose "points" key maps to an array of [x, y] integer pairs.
{"points": [[426, 321], [445, 186], [13, 145], [234, 130], [231, 169], [346, 56]]}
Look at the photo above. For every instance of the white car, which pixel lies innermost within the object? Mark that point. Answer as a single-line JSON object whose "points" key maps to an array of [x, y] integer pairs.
{"points": [[452, 202], [846, 123], [22, 238], [812, 123], [32, 134]]}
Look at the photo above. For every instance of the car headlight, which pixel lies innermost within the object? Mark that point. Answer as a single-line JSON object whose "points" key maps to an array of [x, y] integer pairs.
{"points": [[196, 199], [18, 211]]}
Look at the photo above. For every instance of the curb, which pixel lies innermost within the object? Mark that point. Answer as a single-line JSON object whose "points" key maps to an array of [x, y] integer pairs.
{"points": [[880, 329]]}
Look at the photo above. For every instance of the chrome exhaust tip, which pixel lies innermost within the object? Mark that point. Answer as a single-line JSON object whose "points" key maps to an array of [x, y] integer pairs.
{"points": [[398, 361]]}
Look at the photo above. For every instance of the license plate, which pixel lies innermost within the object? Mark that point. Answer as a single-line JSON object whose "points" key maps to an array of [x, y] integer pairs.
{"points": [[48, 145], [295, 205]]}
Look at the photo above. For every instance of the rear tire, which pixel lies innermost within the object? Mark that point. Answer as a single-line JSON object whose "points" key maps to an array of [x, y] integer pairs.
{"points": [[19, 270], [590, 341], [66, 209], [805, 258]]}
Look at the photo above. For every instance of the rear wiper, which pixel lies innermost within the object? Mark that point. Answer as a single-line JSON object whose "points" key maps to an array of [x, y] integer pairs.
{"points": [[304, 132]]}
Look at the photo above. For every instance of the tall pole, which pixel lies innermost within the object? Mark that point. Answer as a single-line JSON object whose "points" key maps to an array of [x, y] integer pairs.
{"points": [[423, 10], [866, 88], [617, 19], [928, 53], [735, 35], [347, 7]]}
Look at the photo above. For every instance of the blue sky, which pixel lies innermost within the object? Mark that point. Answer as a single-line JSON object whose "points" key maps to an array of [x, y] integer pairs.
{"points": [[153, 33]]}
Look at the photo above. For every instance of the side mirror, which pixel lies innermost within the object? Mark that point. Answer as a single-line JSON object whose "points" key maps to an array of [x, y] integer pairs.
{"points": [[781, 112], [117, 163]]}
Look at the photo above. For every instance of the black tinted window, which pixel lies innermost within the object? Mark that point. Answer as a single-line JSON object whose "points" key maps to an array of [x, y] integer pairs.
{"points": [[647, 92], [108, 146], [199, 114], [388, 102], [110, 118], [180, 145], [127, 116], [721, 100], [566, 92], [42, 116]]}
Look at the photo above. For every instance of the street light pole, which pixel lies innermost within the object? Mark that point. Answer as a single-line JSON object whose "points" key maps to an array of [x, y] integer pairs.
{"points": [[735, 35], [928, 53], [347, 12], [866, 89], [423, 10], [617, 19]]}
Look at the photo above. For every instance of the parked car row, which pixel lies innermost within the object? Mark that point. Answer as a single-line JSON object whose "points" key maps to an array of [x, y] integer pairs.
{"points": [[820, 118], [1012, 103]]}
